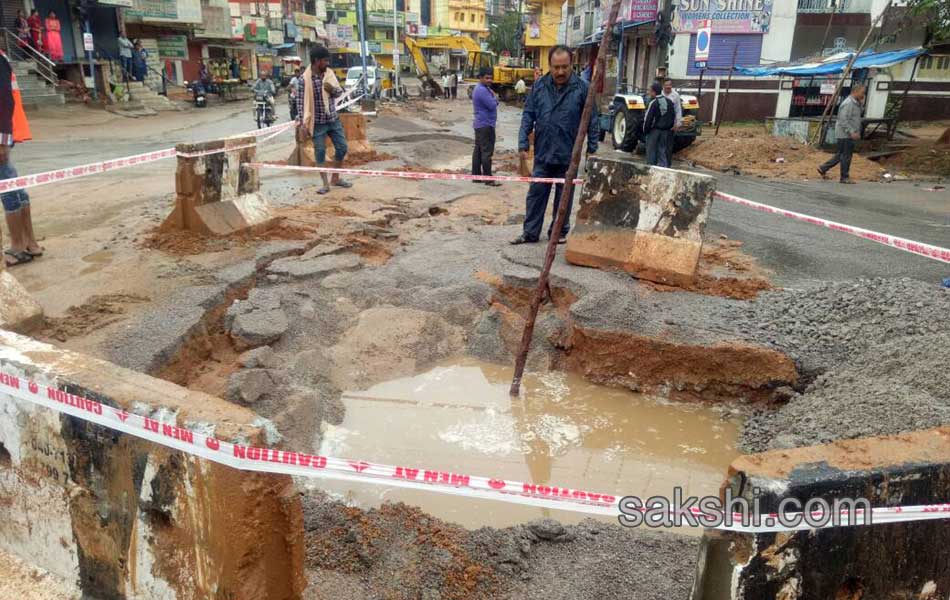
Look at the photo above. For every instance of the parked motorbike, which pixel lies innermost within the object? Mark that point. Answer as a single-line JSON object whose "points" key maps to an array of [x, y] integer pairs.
{"points": [[198, 92], [264, 110]]}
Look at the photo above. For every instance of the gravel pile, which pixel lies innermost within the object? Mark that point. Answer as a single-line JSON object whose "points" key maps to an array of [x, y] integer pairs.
{"points": [[878, 351]]}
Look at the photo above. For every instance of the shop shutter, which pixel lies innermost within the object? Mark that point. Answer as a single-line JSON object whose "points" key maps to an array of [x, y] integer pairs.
{"points": [[720, 52]]}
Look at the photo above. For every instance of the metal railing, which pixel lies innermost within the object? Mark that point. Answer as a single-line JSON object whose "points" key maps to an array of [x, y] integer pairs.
{"points": [[21, 50]]}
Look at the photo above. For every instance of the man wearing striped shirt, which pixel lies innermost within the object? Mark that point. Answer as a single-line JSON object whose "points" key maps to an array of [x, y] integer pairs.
{"points": [[316, 114]]}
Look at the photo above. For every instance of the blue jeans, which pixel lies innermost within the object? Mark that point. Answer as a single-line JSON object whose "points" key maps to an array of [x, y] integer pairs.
{"points": [[334, 129], [537, 201], [12, 201]]}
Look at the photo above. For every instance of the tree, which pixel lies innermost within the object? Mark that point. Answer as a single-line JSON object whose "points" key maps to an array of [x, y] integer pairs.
{"points": [[506, 34], [936, 13]]}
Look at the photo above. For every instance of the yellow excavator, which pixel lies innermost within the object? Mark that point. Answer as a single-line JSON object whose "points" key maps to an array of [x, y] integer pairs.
{"points": [[504, 77]]}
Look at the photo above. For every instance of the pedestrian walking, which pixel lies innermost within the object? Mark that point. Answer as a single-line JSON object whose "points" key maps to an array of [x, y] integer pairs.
{"points": [[847, 132], [446, 88], [317, 116], [670, 94], [657, 125], [292, 93], [553, 114], [521, 90], [454, 84], [485, 107], [16, 204]]}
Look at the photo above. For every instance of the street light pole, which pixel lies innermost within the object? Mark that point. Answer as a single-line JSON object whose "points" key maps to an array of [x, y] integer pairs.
{"points": [[395, 48]]}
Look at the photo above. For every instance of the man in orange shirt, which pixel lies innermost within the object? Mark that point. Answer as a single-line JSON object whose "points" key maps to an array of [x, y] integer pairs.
{"points": [[16, 204]]}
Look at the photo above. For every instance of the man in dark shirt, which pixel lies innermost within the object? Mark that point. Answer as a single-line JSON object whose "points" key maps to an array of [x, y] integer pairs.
{"points": [[657, 125]]}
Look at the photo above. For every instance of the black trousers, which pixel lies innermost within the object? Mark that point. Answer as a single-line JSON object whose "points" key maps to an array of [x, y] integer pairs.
{"points": [[455, 92], [484, 149], [843, 156]]}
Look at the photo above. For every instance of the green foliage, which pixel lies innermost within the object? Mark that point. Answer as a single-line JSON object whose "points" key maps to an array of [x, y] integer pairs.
{"points": [[937, 14], [506, 34]]}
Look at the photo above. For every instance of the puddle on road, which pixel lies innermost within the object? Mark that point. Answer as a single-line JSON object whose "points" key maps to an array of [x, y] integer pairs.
{"points": [[565, 431]]}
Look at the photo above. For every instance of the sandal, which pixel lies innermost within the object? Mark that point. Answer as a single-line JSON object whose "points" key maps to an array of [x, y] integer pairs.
{"points": [[21, 258], [343, 184], [323, 190], [36, 254]]}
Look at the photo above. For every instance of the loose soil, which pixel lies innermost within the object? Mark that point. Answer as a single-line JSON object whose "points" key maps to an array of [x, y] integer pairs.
{"points": [[925, 158], [96, 312], [752, 152], [187, 243]]}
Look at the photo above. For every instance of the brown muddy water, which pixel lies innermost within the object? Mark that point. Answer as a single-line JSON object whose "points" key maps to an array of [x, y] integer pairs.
{"points": [[563, 431]]}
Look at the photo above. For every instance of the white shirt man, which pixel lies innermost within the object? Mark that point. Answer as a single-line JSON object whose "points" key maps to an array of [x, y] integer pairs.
{"points": [[674, 97]]}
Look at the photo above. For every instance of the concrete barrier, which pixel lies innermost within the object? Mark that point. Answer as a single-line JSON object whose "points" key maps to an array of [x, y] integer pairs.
{"points": [[647, 221], [214, 193], [898, 560], [18, 310], [119, 517]]}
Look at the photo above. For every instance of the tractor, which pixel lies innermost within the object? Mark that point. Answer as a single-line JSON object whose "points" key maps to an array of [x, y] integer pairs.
{"points": [[626, 113]]}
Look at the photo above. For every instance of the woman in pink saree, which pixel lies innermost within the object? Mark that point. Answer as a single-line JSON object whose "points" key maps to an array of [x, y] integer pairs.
{"points": [[53, 39]]}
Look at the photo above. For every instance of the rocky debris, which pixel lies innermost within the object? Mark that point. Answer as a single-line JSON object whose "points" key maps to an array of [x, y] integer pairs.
{"points": [[353, 553], [310, 365], [875, 352], [303, 268], [248, 385], [257, 321], [262, 357], [389, 342]]}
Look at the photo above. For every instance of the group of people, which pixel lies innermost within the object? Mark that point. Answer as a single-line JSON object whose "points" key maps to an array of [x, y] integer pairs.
{"points": [[450, 85], [134, 59], [663, 118], [43, 35]]}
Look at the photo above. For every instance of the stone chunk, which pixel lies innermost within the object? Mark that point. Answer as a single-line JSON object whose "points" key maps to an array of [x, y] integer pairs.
{"points": [[257, 358], [259, 327], [301, 268], [248, 385], [644, 220]]}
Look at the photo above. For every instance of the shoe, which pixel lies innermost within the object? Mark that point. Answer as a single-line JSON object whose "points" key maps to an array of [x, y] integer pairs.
{"points": [[847, 181], [323, 190], [822, 173], [493, 183], [343, 184], [521, 239], [562, 239]]}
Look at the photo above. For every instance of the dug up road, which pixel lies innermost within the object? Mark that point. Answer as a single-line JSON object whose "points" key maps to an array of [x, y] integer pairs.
{"points": [[353, 294]]}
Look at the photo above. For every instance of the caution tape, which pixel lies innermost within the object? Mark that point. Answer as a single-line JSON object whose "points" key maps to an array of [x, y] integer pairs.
{"points": [[918, 248], [412, 174], [57, 175], [301, 464]]}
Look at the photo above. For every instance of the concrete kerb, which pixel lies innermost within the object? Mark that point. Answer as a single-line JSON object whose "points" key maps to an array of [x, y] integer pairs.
{"points": [[118, 516]]}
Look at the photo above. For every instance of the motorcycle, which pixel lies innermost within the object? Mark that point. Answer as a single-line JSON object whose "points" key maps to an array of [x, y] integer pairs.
{"points": [[264, 110], [197, 90]]}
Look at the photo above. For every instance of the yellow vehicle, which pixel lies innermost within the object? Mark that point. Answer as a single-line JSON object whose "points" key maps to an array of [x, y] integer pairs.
{"points": [[504, 77]]}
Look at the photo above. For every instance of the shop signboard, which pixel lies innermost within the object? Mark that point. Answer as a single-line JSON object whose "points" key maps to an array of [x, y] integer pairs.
{"points": [[255, 29], [122, 3], [305, 20], [153, 9], [635, 11], [384, 19], [423, 30], [727, 16], [322, 10], [173, 47], [412, 17], [216, 20], [275, 37]]}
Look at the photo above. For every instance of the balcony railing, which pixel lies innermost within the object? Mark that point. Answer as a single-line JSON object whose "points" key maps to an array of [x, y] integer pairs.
{"points": [[824, 6]]}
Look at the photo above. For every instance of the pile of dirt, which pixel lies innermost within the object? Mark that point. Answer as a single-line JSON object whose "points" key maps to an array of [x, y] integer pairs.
{"points": [[749, 152], [873, 354], [95, 313], [189, 243], [923, 159], [398, 551]]}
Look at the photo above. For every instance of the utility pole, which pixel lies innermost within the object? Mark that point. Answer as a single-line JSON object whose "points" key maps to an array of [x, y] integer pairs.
{"points": [[396, 48], [664, 32], [360, 19]]}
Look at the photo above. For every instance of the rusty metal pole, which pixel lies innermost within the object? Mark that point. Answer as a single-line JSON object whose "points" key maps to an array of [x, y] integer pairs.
{"points": [[725, 100], [596, 82]]}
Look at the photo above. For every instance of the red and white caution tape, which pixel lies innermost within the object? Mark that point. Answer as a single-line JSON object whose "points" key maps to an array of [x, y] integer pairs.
{"points": [[413, 174], [300, 464], [919, 248], [29, 181]]}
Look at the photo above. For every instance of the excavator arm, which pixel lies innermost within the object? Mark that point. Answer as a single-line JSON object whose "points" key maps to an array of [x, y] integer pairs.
{"points": [[449, 42], [422, 67]]}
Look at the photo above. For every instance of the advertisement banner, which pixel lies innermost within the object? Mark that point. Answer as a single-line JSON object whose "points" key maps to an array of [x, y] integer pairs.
{"points": [[304, 20], [633, 11], [237, 28], [153, 9], [275, 37], [384, 19], [122, 3], [322, 10], [173, 47], [728, 16], [216, 20]]}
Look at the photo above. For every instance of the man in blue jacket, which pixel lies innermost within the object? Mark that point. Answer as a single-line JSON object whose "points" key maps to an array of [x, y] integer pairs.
{"points": [[553, 113]]}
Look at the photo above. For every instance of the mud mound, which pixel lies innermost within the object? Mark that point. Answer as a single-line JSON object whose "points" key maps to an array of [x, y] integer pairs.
{"points": [[755, 153], [398, 551], [187, 243], [362, 158], [925, 159], [95, 313]]}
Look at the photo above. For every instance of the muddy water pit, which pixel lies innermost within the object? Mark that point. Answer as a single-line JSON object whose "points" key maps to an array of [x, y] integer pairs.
{"points": [[564, 430]]}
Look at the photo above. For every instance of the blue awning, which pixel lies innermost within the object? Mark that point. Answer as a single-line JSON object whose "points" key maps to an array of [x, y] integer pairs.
{"points": [[834, 65]]}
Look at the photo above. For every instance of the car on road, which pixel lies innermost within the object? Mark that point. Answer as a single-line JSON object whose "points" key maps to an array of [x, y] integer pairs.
{"points": [[373, 79]]}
